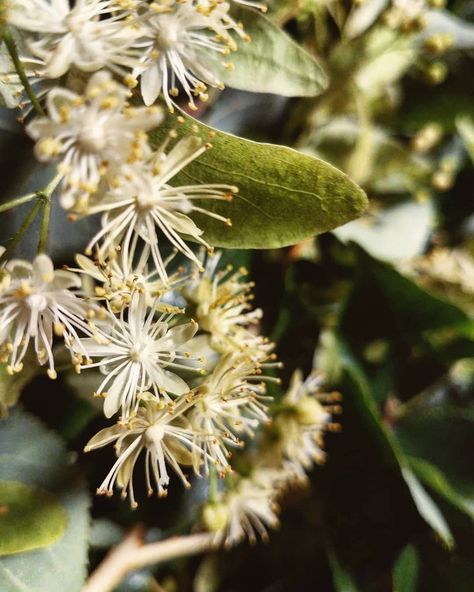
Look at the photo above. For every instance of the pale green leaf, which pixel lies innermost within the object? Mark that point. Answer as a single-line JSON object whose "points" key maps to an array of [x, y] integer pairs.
{"points": [[284, 196], [30, 518], [35, 457], [465, 127], [427, 508], [271, 62]]}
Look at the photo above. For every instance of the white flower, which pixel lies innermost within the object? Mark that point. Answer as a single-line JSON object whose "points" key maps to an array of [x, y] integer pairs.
{"points": [[91, 135], [36, 303], [244, 512], [229, 402], [123, 273], [94, 34], [252, 4], [404, 13], [143, 202], [223, 309], [179, 48], [160, 430], [301, 423], [138, 353]]}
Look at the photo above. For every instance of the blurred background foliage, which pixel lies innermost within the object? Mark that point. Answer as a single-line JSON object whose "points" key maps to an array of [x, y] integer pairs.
{"points": [[388, 299]]}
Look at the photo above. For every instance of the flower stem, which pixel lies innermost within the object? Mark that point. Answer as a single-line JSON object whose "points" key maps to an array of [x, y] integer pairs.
{"points": [[44, 224], [132, 554], [11, 47], [21, 231], [13, 203]]}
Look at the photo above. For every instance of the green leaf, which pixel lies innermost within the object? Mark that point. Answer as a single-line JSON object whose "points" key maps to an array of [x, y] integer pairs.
{"points": [[343, 580], [34, 457], [405, 573], [30, 518], [271, 62], [12, 385], [465, 127], [428, 508], [284, 196], [433, 478], [440, 435], [405, 312], [356, 386]]}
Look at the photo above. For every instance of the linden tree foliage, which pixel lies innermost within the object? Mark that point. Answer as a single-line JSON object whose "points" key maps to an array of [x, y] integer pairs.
{"points": [[236, 295]]}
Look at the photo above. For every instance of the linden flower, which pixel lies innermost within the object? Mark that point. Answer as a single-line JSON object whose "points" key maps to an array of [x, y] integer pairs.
{"points": [[137, 353], [223, 309], [302, 422], [405, 12], [162, 432], [124, 273], [178, 48], [227, 403], [94, 34], [244, 512], [35, 303], [90, 135], [143, 202]]}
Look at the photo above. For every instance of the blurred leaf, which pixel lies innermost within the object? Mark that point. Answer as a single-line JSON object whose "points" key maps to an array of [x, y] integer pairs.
{"points": [[272, 62], [343, 581], [405, 573], [104, 533], [440, 435], [11, 386], [362, 16], [405, 311], [386, 165], [379, 233], [29, 518], [284, 196], [433, 478], [36, 458], [428, 508], [465, 127], [388, 55]]}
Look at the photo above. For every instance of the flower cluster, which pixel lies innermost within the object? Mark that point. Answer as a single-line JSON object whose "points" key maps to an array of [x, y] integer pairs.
{"points": [[176, 350], [164, 44], [293, 444]]}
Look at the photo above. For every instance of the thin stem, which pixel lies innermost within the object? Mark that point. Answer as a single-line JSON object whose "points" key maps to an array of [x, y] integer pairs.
{"points": [[45, 196], [132, 554], [10, 43], [44, 224], [18, 201], [21, 231]]}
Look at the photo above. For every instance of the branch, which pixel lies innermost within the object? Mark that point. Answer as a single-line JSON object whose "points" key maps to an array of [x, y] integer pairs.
{"points": [[132, 554]]}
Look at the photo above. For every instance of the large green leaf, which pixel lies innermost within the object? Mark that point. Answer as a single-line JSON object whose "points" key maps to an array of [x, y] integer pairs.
{"points": [[30, 518], [272, 62], [34, 457], [284, 196]]}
